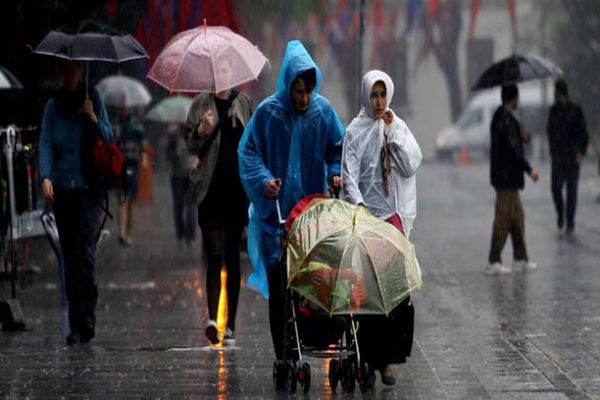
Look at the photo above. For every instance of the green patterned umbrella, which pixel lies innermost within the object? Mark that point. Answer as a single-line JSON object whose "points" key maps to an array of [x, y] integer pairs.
{"points": [[345, 260]]}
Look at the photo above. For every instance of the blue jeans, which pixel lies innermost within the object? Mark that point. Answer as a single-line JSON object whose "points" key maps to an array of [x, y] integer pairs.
{"points": [[78, 217], [184, 209]]}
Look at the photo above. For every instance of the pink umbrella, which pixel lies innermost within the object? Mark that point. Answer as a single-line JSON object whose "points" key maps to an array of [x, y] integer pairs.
{"points": [[207, 59]]}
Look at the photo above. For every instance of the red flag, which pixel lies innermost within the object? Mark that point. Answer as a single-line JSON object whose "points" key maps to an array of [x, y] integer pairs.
{"points": [[511, 10], [475, 5], [153, 46], [185, 9], [433, 7], [167, 20], [220, 12], [112, 9], [379, 31]]}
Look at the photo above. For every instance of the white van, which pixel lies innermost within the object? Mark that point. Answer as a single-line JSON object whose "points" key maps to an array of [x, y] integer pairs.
{"points": [[472, 129]]}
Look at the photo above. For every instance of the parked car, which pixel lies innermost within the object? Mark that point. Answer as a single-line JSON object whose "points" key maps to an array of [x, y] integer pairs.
{"points": [[472, 129]]}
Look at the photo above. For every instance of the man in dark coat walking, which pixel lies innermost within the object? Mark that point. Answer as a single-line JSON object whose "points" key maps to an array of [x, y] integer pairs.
{"points": [[568, 139], [507, 164]]}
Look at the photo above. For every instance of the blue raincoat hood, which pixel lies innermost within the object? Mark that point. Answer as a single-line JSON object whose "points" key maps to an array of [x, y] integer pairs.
{"points": [[296, 60], [302, 149]]}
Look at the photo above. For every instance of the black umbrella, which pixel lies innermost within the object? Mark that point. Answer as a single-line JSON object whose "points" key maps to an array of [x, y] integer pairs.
{"points": [[516, 69], [8, 81], [11, 97], [91, 41]]}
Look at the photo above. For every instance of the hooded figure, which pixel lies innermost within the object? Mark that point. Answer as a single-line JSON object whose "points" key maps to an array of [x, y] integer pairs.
{"points": [[385, 190], [380, 159], [301, 148]]}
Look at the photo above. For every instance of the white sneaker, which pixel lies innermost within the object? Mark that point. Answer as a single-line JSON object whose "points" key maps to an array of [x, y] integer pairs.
{"points": [[522, 265], [228, 338], [212, 332], [105, 234], [497, 269]]}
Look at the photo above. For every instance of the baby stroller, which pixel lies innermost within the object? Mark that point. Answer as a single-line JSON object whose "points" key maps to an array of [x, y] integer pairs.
{"points": [[339, 262]]}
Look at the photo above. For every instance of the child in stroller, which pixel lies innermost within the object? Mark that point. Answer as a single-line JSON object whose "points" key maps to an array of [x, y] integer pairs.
{"points": [[308, 330]]}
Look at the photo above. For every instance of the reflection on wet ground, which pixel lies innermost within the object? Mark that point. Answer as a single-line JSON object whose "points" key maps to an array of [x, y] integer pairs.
{"points": [[527, 335]]}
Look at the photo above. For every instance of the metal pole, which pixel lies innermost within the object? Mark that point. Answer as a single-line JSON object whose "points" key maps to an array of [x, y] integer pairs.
{"points": [[542, 138], [10, 137], [361, 32]]}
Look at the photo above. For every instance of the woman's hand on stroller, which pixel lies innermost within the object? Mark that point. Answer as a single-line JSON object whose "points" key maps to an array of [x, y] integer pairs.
{"points": [[335, 185], [272, 188]]}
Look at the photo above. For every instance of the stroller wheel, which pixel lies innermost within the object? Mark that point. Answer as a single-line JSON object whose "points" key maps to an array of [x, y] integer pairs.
{"points": [[334, 374], [292, 377], [304, 377], [365, 377], [348, 375]]}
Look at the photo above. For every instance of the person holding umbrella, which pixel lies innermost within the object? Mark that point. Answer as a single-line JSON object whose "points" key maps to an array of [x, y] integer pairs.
{"points": [[69, 116], [214, 127], [214, 60], [568, 138], [507, 164], [71, 120]]}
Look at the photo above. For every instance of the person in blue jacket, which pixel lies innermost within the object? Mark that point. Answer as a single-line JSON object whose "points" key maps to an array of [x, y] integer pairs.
{"points": [[291, 148], [69, 117]]}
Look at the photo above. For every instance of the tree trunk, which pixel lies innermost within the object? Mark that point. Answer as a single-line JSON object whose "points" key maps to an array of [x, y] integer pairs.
{"points": [[454, 90], [449, 21]]}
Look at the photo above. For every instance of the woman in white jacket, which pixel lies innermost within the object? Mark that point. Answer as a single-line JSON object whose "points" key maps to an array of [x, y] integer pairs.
{"points": [[379, 161]]}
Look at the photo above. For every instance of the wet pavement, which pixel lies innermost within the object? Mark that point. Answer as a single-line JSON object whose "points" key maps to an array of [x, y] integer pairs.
{"points": [[527, 335]]}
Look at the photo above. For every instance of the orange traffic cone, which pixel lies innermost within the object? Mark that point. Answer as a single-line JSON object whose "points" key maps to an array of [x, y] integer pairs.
{"points": [[463, 157]]}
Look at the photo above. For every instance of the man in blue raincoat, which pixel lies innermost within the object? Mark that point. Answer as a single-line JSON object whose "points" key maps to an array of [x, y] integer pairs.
{"points": [[291, 148]]}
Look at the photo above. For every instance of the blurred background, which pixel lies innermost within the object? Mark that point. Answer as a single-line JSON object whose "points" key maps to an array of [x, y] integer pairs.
{"points": [[433, 49]]}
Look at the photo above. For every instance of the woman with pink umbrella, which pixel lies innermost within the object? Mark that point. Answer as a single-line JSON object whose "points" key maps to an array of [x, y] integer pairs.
{"points": [[215, 125], [214, 60]]}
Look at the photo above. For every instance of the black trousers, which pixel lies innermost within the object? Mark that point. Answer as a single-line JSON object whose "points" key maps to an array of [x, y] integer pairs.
{"points": [[565, 174], [184, 209], [222, 245], [277, 304], [387, 340], [78, 217]]}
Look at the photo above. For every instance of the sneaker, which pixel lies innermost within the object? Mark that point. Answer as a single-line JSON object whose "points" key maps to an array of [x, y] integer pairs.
{"points": [[105, 234], [211, 332], [229, 338], [72, 338], [497, 269], [522, 265], [387, 376], [86, 334]]}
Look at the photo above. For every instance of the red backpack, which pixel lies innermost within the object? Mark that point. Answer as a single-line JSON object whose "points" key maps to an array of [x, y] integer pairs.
{"points": [[102, 163], [109, 161]]}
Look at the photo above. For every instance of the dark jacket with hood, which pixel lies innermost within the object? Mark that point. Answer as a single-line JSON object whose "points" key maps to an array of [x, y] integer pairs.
{"points": [[567, 133], [507, 158]]}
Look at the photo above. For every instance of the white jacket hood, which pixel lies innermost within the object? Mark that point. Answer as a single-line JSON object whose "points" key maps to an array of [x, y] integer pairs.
{"points": [[361, 159]]}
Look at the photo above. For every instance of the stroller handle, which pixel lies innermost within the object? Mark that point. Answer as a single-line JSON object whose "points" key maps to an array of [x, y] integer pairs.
{"points": [[279, 218]]}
